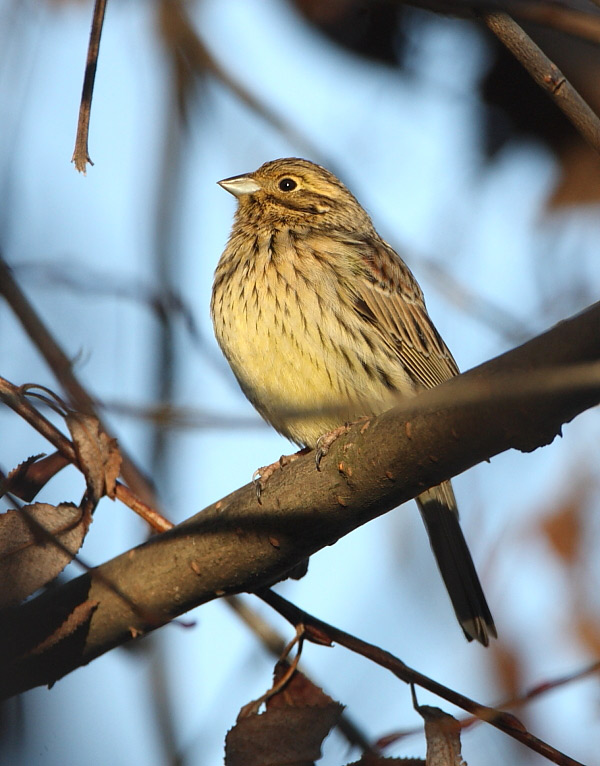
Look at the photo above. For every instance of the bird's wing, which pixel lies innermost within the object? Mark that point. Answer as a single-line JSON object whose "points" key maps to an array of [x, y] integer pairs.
{"points": [[388, 296]]}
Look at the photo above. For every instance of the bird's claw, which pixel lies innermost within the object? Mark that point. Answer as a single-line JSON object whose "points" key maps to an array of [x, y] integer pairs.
{"points": [[261, 476], [325, 441], [258, 483]]}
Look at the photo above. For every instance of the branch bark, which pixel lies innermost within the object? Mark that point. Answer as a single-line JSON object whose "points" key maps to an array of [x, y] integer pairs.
{"points": [[518, 400]]}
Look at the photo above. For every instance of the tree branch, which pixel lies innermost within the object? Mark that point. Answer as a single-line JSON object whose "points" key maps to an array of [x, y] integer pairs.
{"points": [[547, 75], [236, 545], [320, 632], [62, 367]]}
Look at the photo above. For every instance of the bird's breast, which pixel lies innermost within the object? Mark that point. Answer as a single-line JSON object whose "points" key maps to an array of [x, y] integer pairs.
{"points": [[285, 322]]}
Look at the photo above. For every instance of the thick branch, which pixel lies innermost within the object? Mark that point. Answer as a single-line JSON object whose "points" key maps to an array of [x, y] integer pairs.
{"points": [[236, 545]]}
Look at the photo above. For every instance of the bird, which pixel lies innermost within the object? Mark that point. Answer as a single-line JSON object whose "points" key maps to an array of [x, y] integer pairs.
{"points": [[323, 323]]}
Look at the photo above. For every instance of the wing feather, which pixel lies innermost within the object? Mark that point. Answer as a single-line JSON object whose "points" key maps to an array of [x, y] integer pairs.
{"points": [[389, 295]]}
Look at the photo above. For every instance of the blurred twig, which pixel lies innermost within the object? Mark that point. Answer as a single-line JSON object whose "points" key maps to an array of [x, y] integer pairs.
{"points": [[81, 155], [165, 302], [62, 368], [571, 21], [473, 304], [165, 263], [546, 686], [505, 388], [184, 418], [567, 17], [195, 59]]}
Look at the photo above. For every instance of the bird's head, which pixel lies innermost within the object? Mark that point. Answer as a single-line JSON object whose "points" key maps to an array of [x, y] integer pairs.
{"points": [[296, 190]]}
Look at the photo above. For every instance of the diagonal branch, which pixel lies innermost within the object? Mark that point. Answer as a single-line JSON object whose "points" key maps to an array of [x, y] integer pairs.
{"points": [[547, 75], [236, 545], [323, 633], [62, 367]]}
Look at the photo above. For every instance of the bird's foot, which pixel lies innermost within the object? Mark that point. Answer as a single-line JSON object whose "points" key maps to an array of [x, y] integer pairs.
{"points": [[325, 441], [261, 476]]}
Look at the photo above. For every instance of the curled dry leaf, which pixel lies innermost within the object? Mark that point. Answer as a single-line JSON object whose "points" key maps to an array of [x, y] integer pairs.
{"points": [[98, 455], [291, 731], [442, 732], [36, 544], [30, 476]]}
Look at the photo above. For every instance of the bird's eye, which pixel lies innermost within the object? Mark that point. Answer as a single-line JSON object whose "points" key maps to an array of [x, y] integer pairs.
{"points": [[287, 184]]}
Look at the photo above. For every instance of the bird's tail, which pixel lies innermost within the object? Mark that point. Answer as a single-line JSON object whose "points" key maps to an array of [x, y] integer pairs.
{"points": [[440, 515]]}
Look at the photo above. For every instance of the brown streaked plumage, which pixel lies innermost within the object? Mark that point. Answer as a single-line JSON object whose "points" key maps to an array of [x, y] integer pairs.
{"points": [[316, 314]]}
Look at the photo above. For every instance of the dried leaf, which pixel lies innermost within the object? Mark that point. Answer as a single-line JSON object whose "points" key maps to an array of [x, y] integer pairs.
{"points": [[290, 732], [98, 455], [29, 555], [300, 691], [30, 476], [442, 732]]}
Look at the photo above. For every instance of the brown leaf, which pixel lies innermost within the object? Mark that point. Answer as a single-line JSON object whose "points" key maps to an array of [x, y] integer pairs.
{"points": [[290, 732], [29, 557], [300, 690], [98, 455], [30, 476]]}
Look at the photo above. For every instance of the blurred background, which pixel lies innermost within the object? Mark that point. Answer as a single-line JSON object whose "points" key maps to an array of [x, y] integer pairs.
{"points": [[492, 199]]}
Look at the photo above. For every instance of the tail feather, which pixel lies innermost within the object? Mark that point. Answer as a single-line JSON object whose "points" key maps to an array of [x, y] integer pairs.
{"points": [[440, 516]]}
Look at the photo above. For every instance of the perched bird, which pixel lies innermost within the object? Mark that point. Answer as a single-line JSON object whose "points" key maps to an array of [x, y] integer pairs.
{"points": [[322, 323]]}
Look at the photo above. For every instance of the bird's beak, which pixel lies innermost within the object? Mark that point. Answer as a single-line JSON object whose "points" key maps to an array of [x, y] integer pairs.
{"points": [[240, 185]]}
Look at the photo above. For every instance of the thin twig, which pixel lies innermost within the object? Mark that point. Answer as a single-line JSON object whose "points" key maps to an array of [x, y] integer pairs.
{"points": [[182, 39], [547, 75], [13, 397], [472, 303], [252, 707], [275, 644], [325, 633], [546, 686], [81, 155], [537, 691]]}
